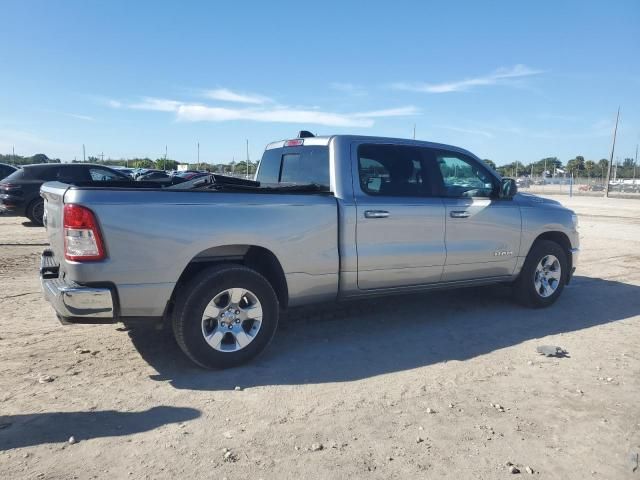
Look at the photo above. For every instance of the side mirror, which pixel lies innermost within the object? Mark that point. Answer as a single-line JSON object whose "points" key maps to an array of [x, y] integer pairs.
{"points": [[508, 188]]}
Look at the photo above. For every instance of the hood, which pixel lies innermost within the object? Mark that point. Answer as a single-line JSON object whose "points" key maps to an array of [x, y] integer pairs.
{"points": [[529, 200]]}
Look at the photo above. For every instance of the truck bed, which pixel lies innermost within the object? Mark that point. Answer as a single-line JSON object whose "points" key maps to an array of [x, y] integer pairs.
{"points": [[151, 235]]}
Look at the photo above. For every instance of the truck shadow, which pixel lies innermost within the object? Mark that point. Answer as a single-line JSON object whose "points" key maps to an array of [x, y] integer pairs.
{"points": [[34, 429], [362, 339]]}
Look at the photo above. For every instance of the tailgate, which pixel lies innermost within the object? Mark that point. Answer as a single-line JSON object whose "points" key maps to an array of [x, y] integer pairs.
{"points": [[53, 194]]}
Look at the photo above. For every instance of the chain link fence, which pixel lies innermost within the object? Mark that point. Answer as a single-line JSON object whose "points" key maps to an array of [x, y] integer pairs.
{"points": [[621, 187]]}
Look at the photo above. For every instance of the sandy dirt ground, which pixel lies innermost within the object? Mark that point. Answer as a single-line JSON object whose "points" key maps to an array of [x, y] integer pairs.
{"points": [[404, 387]]}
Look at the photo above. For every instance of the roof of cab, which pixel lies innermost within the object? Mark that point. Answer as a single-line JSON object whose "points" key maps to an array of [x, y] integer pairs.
{"points": [[325, 140]]}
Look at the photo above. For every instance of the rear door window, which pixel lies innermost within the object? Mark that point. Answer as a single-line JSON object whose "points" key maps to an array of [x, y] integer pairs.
{"points": [[394, 171]]}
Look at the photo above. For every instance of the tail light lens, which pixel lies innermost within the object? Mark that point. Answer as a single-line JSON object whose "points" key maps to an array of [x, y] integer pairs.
{"points": [[82, 238]]}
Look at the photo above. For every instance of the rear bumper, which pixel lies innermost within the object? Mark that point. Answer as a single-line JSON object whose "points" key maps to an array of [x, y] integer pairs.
{"points": [[74, 303]]}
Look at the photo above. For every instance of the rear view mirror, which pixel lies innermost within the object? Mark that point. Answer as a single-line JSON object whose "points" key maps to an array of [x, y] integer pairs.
{"points": [[508, 188]]}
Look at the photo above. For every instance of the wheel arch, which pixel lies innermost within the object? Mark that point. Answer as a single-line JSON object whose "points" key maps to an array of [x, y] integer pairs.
{"points": [[561, 239], [258, 258]]}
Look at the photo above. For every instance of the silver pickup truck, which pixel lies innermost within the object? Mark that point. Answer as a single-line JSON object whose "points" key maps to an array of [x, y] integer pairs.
{"points": [[326, 219]]}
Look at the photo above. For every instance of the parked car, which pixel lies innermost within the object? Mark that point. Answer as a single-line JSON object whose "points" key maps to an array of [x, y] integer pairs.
{"points": [[329, 218], [153, 175], [20, 191], [127, 171], [192, 175], [6, 170], [141, 171]]}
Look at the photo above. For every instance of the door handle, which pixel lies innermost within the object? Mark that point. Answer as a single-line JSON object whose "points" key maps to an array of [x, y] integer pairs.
{"points": [[459, 214], [376, 214]]}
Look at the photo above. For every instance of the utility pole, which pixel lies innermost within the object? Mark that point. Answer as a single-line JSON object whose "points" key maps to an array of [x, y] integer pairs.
{"points": [[635, 164], [247, 158], [198, 154], [102, 156], [613, 148], [13, 153], [164, 163], [414, 131], [84, 157]]}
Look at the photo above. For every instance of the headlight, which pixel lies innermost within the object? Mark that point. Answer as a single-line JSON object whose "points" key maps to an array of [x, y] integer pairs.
{"points": [[574, 221]]}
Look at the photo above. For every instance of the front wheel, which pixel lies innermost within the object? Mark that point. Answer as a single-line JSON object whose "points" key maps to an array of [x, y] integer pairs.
{"points": [[225, 316], [543, 275]]}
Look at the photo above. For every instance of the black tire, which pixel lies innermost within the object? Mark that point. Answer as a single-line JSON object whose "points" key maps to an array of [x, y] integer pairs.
{"points": [[35, 211], [194, 297], [524, 288]]}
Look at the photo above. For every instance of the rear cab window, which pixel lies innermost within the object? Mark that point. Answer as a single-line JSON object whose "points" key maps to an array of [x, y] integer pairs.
{"points": [[302, 165]]}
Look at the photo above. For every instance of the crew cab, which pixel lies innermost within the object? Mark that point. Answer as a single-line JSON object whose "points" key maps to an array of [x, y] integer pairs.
{"points": [[326, 219]]}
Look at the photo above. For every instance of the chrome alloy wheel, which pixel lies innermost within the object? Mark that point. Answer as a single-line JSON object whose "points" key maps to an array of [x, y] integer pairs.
{"points": [[232, 320], [547, 276]]}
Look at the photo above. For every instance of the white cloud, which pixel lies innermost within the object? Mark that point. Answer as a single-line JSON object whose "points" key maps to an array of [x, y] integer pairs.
{"points": [[193, 112], [86, 118], [114, 103], [499, 76], [390, 112], [156, 104], [226, 95], [349, 88], [199, 113]]}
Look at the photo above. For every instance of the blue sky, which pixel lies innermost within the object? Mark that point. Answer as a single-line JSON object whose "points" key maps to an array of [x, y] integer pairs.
{"points": [[507, 80]]}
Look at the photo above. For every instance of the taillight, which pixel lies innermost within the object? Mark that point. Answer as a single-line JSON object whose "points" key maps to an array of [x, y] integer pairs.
{"points": [[82, 239], [294, 143]]}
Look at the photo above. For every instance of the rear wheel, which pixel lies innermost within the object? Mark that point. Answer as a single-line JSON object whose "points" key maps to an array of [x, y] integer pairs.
{"points": [[543, 275], [225, 316], [35, 211]]}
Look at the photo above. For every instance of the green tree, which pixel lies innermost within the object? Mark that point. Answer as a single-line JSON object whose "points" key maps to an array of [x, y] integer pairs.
{"points": [[491, 163], [142, 163], [590, 168], [166, 164], [576, 165]]}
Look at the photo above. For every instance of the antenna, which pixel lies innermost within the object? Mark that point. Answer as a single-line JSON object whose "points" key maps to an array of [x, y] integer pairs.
{"points": [[414, 131], [613, 148], [247, 158], [84, 158]]}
